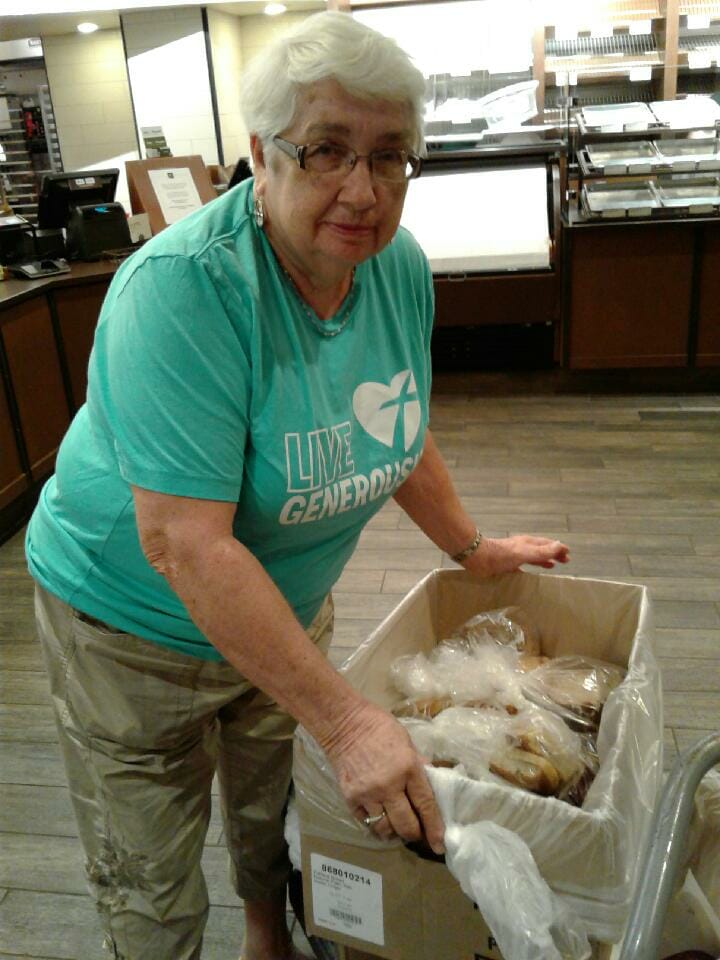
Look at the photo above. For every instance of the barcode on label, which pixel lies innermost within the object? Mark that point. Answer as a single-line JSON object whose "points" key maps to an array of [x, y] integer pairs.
{"points": [[347, 917]]}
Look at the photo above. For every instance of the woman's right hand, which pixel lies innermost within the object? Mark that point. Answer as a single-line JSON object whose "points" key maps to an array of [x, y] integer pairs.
{"points": [[379, 769]]}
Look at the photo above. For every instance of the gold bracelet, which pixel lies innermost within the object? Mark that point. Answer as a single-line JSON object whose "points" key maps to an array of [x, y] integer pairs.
{"points": [[469, 550]]}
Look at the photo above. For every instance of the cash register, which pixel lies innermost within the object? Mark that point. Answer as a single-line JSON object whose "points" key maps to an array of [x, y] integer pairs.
{"points": [[83, 204], [78, 219]]}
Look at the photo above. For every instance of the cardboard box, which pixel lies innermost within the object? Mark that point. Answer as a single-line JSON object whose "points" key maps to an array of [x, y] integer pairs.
{"points": [[385, 900]]}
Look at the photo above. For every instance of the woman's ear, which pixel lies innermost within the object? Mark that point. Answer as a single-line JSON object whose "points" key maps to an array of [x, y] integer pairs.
{"points": [[257, 153], [258, 162]]}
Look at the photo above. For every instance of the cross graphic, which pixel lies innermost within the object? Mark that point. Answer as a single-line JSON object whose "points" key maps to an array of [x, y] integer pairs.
{"points": [[403, 398]]}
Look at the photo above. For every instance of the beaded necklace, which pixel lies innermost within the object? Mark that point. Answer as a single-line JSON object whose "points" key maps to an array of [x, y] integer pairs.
{"points": [[341, 319]]}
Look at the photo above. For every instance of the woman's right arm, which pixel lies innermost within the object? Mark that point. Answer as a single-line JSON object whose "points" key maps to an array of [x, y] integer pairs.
{"points": [[235, 604]]}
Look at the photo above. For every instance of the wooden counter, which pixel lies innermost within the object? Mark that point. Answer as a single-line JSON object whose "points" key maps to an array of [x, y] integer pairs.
{"points": [[46, 333], [642, 293]]}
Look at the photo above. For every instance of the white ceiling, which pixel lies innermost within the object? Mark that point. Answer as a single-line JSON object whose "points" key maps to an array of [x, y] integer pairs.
{"points": [[52, 17]]}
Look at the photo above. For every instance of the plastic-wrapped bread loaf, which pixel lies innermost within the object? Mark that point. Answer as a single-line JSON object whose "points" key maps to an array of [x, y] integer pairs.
{"points": [[509, 626], [575, 688]]}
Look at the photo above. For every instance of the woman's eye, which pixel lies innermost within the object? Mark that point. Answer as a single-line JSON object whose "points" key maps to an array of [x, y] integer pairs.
{"points": [[326, 150], [389, 157]]}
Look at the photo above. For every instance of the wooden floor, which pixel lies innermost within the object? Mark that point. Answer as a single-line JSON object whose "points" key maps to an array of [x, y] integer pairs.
{"points": [[632, 484]]}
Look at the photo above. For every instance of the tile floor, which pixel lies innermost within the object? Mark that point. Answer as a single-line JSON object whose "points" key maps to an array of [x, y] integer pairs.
{"points": [[631, 483]]}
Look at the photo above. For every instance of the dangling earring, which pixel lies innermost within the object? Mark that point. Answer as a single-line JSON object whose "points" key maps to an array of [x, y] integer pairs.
{"points": [[259, 212]]}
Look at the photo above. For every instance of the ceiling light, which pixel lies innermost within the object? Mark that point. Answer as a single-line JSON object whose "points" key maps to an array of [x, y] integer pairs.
{"points": [[273, 9], [87, 27]]}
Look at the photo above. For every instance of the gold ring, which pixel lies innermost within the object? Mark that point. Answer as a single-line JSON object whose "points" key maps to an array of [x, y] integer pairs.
{"points": [[371, 821]]}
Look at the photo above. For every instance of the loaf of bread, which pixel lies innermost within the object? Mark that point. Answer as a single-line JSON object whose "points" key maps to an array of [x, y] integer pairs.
{"points": [[527, 770], [509, 626], [575, 688]]}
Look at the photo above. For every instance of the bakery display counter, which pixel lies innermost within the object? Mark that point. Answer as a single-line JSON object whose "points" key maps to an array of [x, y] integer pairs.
{"points": [[481, 221], [46, 332], [489, 222], [659, 160]]}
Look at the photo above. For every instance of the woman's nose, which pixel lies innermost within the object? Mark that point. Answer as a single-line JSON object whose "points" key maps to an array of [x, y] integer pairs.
{"points": [[358, 187]]}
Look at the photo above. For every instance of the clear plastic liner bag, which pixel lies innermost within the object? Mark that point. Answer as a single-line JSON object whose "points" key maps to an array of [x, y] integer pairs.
{"points": [[510, 626], [533, 750], [496, 870], [575, 688], [455, 674]]}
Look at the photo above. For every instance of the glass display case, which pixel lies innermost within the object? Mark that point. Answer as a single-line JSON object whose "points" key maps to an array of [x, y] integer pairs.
{"points": [[637, 160]]}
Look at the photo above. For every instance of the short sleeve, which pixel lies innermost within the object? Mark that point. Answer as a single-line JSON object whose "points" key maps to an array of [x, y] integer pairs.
{"points": [[173, 373]]}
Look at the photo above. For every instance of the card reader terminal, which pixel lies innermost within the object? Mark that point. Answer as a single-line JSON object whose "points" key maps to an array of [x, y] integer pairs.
{"points": [[40, 268]]}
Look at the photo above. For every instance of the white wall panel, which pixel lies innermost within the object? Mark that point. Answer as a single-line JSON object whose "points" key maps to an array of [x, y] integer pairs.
{"points": [[170, 79]]}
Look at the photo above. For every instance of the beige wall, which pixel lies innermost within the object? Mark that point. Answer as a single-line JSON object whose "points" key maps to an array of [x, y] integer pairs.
{"points": [[227, 62], [91, 98], [235, 41]]}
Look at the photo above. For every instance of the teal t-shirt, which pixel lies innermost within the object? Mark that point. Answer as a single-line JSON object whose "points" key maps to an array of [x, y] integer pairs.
{"points": [[208, 379]]}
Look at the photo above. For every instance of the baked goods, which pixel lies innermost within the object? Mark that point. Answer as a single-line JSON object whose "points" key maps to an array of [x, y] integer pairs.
{"points": [[489, 702], [575, 688], [509, 626]]}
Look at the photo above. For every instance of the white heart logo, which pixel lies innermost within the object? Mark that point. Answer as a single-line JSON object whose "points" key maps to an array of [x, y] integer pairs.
{"points": [[378, 406]]}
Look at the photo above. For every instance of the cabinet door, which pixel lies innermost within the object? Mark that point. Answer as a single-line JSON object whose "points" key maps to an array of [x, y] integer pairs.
{"points": [[708, 334], [77, 310], [36, 379], [12, 478], [630, 296]]}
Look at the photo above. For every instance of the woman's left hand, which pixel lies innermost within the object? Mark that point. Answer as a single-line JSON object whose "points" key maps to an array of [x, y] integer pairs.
{"points": [[508, 554]]}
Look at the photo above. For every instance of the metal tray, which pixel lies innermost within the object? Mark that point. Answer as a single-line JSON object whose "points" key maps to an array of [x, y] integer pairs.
{"points": [[603, 199], [618, 117], [690, 112], [689, 155], [618, 158], [700, 193]]}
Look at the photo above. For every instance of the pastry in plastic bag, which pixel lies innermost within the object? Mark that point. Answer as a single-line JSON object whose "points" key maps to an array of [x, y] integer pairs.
{"points": [[527, 662], [509, 626], [453, 672], [575, 688], [534, 750], [463, 735]]}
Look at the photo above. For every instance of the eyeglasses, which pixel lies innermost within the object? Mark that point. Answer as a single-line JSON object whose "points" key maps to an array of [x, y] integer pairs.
{"points": [[327, 157]]}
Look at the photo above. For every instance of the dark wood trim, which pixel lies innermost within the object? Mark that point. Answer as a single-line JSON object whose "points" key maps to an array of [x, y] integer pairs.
{"points": [[696, 280], [213, 88], [130, 89], [62, 358], [13, 407]]}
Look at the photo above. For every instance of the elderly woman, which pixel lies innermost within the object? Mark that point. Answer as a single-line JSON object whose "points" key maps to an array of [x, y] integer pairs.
{"points": [[258, 388]]}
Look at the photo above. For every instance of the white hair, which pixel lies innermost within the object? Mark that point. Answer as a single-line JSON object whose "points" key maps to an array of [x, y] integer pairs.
{"points": [[329, 45]]}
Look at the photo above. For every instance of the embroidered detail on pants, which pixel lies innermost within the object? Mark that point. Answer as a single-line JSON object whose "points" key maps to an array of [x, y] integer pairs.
{"points": [[109, 945], [113, 874]]}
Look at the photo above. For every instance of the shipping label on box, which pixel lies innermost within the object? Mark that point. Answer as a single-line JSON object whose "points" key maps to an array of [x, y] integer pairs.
{"points": [[346, 898]]}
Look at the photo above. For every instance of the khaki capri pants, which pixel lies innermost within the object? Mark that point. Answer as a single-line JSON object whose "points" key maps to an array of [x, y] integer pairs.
{"points": [[142, 731]]}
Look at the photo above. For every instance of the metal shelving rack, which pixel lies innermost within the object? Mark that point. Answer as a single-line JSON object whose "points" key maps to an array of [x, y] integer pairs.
{"points": [[17, 168], [51, 134]]}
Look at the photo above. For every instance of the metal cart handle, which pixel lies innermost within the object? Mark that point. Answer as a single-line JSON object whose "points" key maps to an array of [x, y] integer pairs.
{"points": [[665, 849]]}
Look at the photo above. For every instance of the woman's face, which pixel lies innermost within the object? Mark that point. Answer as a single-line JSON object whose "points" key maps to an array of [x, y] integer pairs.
{"points": [[321, 226]]}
